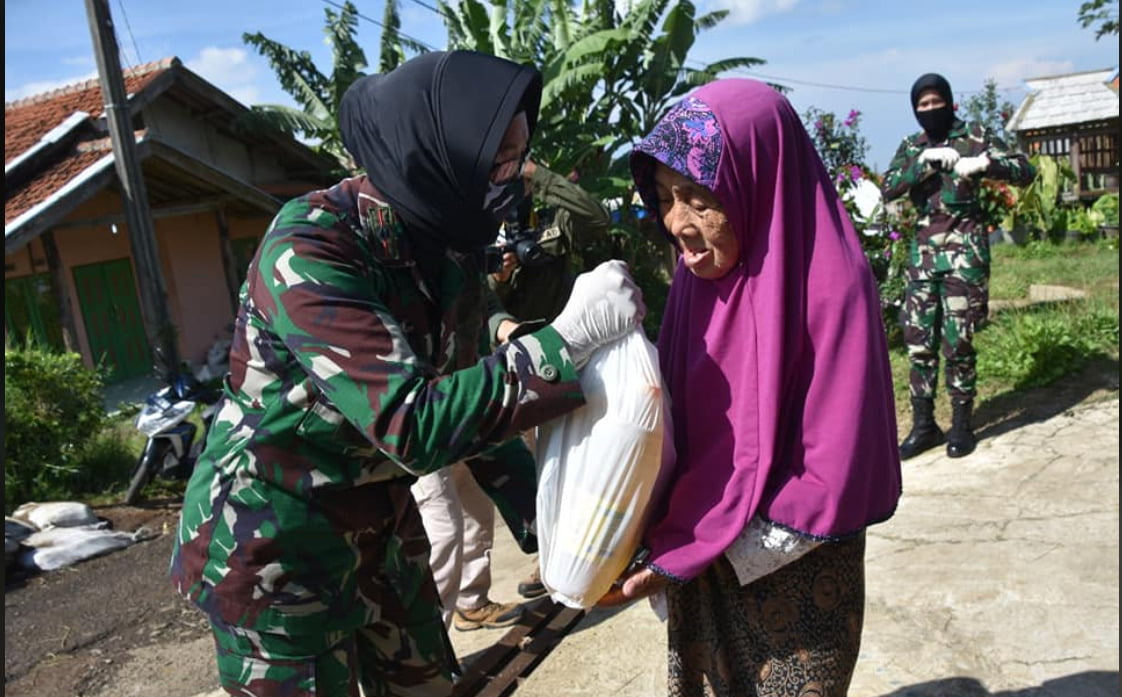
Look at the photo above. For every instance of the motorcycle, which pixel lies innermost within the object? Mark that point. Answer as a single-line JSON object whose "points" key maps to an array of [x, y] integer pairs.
{"points": [[174, 443]]}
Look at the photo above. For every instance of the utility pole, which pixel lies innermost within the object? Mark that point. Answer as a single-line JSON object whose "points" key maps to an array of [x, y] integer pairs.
{"points": [[142, 234]]}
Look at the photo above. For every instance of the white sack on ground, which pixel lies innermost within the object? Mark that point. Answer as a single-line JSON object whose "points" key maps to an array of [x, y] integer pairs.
{"points": [[57, 547], [598, 470], [55, 514]]}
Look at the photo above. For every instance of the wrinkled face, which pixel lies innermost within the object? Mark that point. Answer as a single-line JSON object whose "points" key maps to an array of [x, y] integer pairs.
{"points": [[930, 99], [512, 150], [692, 215]]}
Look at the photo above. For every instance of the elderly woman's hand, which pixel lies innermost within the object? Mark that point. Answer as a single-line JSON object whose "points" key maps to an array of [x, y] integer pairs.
{"points": [[640, 584]]}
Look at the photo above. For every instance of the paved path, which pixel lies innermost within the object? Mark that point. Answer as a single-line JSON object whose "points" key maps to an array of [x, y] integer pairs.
{"points": [[997, 577]]}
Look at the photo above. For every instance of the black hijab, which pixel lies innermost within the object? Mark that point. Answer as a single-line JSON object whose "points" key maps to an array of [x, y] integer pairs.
{"points": [[427, 134], [936, 123]]}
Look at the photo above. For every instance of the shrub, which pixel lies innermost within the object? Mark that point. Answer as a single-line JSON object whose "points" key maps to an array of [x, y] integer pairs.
{"points": [[53, 414], [1034, 348]]}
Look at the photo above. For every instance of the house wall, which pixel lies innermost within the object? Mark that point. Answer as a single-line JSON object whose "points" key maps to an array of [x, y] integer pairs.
{"points": [[27, 261], [191, 256], [178, 128], [190, 261], [87, 244]]}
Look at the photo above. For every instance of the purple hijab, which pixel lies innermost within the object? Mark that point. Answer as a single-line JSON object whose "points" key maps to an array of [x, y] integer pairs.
{"points": [[778, 372]]}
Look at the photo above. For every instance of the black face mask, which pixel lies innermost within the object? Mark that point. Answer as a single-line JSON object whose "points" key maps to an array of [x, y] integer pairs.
{"points": [[502, 199], [936, 123]]}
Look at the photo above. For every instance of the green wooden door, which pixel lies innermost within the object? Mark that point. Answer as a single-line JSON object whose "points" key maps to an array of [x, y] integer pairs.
{"points": [[107, 294]]}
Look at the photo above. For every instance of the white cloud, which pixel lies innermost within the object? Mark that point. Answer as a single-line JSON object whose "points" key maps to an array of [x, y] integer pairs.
{"points": [[40, 86], [81, 61], [1013, 73], [748, 11], [230, 70]]}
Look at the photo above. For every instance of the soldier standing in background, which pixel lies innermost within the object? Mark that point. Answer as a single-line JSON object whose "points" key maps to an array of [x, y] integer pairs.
{"points": [[947, 295]]}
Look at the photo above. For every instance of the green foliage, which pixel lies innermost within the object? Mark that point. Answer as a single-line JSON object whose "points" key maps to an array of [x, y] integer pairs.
{"points": [[610, 72], [990, 110], [53, 413], [1099, 12], [1038, 208], [995, 201], [839, 143], [1106, 206], [1033, 348], [318, 95], [885, 236]]}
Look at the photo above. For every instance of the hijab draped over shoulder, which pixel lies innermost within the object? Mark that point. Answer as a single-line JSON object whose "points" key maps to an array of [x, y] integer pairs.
{"points": [[427, 134], [778, 372]]}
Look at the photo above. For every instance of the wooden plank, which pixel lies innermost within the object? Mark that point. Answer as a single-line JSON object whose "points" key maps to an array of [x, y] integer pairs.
{"points": [[503, 667]]}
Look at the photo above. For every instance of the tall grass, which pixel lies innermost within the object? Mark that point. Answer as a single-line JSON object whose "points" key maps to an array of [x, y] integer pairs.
{"points": [[1032, 346]]}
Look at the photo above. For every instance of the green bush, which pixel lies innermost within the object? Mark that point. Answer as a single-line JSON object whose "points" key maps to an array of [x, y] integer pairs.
{"points": [[53, 416], [1035, 347]]}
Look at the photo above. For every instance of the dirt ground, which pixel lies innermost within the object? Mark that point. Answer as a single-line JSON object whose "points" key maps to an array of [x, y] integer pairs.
{"points": [[77, 631]]}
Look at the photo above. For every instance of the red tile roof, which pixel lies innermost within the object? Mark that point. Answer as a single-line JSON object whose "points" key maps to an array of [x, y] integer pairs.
{"points": [[48, 181], [28, 120]]}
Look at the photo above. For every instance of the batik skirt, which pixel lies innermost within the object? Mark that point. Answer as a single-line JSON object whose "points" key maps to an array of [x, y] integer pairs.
{"points": [[793, 633]]}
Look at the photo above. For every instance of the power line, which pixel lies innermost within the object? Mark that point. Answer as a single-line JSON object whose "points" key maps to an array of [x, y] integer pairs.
{"points": [[429, 7], [383, 26], [128, 27], [849, 88], [740, 71]]}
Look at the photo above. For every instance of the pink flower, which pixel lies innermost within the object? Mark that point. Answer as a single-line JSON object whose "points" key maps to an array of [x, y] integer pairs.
{"points": [[854, 172], [893, 235]]}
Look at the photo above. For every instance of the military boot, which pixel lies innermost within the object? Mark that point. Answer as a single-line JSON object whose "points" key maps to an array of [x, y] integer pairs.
{"points": [[960, 439], [925, 433]]}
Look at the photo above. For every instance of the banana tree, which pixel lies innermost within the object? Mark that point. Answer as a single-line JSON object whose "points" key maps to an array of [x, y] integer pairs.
{"points": [[318, 94], [609, 73]]}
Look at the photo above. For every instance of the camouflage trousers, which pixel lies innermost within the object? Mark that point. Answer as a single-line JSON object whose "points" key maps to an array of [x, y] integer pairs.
{"points": [[404, 652], [383, 658], [946, 300]]}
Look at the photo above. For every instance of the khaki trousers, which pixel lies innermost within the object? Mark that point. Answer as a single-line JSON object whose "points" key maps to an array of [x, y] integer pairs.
{"points": [[459, 520]]}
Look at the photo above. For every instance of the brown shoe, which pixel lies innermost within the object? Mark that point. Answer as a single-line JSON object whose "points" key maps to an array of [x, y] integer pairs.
{"points": [[532, 587], [490, 616]]}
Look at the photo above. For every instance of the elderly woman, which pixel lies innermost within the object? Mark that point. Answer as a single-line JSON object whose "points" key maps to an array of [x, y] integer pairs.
{"points": [[775, 357]]}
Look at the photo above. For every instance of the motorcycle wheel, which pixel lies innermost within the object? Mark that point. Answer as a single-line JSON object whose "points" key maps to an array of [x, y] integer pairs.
{"points": [[145, 471]]}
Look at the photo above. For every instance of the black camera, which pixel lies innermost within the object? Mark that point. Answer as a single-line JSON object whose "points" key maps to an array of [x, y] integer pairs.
{"points": [[521, 239]]}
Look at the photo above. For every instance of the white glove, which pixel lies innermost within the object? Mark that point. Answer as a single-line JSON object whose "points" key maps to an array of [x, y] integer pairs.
{"points": [[968, 166], [605, 304], [943, 158]]}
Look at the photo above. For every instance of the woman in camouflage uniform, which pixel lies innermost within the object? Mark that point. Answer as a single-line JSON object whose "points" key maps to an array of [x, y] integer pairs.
{"points": [[355, 367], [940, 170]]}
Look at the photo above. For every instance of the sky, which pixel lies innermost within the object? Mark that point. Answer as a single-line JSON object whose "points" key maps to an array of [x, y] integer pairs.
{"points": [[834, 55]]}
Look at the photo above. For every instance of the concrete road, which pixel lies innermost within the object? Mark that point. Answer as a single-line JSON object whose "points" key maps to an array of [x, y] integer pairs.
{"points": [[997, 577]]}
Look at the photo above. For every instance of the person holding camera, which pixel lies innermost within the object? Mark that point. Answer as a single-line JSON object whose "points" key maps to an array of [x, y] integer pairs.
{"points": [[534, 285], [532, 273]]}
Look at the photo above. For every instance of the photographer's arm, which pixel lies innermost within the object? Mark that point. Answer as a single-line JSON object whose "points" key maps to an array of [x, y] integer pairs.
{"points": [[588, 217]]}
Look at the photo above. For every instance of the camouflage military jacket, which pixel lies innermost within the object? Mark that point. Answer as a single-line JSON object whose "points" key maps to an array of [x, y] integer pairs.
{"points": [[346, 372], [540, 292], [944, 200]]}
